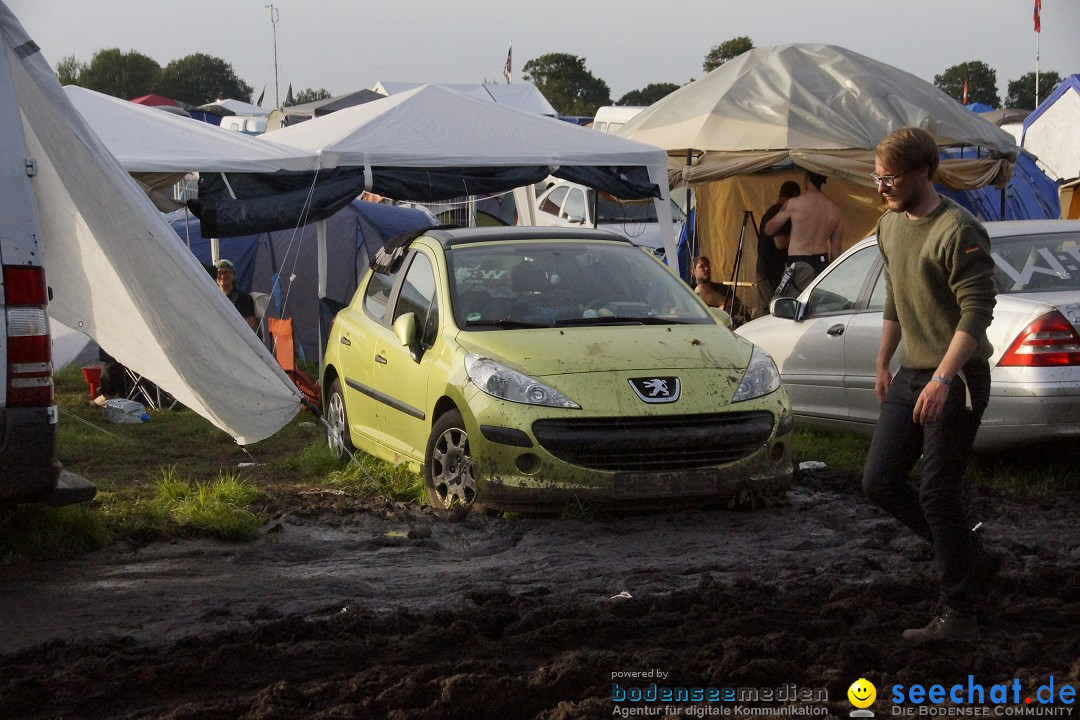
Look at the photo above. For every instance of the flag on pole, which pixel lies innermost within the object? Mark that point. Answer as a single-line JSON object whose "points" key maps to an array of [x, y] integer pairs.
{"points": [[506, 67], [288, 96], [965, 91], [1038, 21], [261, 96]]}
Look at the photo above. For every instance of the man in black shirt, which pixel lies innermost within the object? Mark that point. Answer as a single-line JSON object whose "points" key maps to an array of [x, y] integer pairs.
{"points": [[770, 258]]}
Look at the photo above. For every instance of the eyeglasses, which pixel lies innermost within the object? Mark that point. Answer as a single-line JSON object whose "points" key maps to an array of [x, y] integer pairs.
{"points": [[886, 180]]}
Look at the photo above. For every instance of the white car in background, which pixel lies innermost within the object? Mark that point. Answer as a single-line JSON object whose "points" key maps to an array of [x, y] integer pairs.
{"points": [[567, 204], [825, 341]]}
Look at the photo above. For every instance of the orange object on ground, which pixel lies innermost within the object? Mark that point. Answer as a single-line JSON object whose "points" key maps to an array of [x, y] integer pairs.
{"points": [[281, 330], [92, 373]]}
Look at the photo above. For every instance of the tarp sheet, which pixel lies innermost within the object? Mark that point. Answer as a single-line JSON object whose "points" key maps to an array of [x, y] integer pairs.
{"points": [[820, 106], [120, 274]]}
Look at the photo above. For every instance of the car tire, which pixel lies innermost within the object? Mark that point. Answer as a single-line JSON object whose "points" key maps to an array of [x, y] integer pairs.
{"points": [[448, 474], [337, 423]]}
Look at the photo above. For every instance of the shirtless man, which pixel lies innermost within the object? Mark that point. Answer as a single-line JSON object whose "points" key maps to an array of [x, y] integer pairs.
{"points": [[817, 233]]}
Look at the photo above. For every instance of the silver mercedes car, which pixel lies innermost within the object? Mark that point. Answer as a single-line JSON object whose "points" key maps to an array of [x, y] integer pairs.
{"points": [[826, 340]]}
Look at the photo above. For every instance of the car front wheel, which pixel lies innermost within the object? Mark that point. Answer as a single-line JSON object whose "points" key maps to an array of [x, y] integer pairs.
{"points": [[337, 419], [448, 464]]}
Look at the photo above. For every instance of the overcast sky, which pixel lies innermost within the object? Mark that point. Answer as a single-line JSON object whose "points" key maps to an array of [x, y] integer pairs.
{"points": [[346, 45]]}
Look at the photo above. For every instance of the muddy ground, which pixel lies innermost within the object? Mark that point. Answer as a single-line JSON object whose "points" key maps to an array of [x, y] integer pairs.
{"points": [[343, 610]]}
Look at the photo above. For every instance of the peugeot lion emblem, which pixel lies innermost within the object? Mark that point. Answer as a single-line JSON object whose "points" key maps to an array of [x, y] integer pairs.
{"points": [[657, 389]]}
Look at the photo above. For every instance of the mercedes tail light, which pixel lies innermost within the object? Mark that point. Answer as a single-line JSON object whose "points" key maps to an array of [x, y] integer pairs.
{"points": [[29, 375], [1050, 341]]}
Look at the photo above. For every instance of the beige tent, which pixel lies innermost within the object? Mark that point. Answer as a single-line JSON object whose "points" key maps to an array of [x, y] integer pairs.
{"points": [[818, 107]]}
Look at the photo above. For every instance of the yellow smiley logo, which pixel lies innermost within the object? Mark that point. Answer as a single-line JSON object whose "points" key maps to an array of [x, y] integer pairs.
{"points": [[862, 693]]}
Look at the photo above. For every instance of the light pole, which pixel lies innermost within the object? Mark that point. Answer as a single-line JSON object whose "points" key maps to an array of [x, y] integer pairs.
{"points": [[273, 24]]}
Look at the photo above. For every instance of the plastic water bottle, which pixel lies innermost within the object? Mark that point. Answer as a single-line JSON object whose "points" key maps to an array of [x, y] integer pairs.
{"points": [[119, 410]]}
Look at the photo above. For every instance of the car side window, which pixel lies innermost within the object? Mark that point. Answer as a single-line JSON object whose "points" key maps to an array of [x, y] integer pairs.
{"points": [[553, 202], [877, 297], [377, 294], [418, 296], [839, 290], [574, 205]]}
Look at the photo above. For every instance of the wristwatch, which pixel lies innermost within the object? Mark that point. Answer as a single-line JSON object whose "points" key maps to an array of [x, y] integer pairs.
{"points": [[943, 380]]}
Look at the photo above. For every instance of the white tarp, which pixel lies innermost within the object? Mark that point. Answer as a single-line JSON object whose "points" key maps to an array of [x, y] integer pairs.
{"points": [[1052, 131], [120, 274], [520, 96], [821, 106], [433, 126], [144, 140]]}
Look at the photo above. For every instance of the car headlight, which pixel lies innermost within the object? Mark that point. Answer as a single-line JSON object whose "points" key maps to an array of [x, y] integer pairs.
{"points": [[761, 377], [500, 381]]}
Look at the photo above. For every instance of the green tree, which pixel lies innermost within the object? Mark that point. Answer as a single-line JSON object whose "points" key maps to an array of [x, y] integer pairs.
{"points": [[725, 51], [648, 94], [124, 75], [981, 81], [1022, 92], [69, 69], [567, 84], [199, 78], [311, 95]]}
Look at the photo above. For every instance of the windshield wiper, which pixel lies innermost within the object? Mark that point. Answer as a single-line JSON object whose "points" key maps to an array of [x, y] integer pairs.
{"points": [[616, 320], [506, 324]]}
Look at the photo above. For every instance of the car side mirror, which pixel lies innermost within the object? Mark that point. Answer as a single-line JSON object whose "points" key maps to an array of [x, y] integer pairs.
{"points": [[721, 316], [405, 331], [784, 307]]}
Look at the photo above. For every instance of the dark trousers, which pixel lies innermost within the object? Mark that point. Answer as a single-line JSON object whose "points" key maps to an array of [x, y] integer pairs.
{"points": [[934, 508]]}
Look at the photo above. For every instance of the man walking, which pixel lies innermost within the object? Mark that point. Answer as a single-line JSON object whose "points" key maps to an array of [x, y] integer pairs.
{"points": [[939, 296], [816, 237]]}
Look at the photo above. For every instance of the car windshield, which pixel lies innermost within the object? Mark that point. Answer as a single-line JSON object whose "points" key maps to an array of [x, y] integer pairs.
{"points": [[546, 284], [1037, 263]]}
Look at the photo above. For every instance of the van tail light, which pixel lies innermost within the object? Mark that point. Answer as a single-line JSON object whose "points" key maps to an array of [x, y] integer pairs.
{"points": [[29, 373], [1050, 341]]}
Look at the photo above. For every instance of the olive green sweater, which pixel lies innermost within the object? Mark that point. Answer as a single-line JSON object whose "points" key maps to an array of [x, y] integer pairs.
{"points": [[939, 278]]}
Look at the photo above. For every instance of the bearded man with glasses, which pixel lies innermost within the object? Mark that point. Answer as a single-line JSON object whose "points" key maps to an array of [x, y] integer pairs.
{"points": [[940, 296]]}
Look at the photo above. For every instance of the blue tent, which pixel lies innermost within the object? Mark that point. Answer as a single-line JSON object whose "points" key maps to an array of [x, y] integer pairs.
{"points": [[283, 264], [1029, 194]]}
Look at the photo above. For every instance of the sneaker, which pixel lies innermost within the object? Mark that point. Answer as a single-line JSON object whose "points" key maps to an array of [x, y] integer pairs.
{"points": [[948, 625]]}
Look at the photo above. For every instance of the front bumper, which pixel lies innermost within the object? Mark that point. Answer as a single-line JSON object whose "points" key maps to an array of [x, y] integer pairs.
{"points": [[612, 462]]}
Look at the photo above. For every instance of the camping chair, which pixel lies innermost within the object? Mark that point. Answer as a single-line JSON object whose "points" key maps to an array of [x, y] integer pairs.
{"points": [[281, 330]]}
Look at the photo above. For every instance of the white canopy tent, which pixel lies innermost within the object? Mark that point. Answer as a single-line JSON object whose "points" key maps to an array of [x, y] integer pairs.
{"points": [[520, 95], [820, 106], [434, 127], [119, 273], [159, 148]]}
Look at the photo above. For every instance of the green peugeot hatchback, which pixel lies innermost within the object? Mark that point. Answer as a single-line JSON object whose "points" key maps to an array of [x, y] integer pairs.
{"points": [[525, 368]]}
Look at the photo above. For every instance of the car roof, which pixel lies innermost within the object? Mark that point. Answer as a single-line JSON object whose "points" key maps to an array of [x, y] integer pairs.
{"points": [[448, 237], [1012, 228]]}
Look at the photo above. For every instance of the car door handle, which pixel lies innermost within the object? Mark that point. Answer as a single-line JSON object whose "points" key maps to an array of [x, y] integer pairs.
{"points": [[836, 330], [380, 359], [345, 340]]}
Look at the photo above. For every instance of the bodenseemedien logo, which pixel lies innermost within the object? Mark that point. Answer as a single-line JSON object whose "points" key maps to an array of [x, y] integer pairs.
{"points": [[862, 694]]}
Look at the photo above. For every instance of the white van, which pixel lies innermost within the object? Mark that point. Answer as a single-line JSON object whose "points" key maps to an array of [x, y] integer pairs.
{"points": [[247, 124], [610, 118], [28, 413]]}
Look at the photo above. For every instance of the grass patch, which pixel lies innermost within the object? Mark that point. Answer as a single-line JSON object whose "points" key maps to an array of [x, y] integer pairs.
{"points": [[177, 476], [1031, 472], [838, 451], [369, 476], [218, 508]]}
